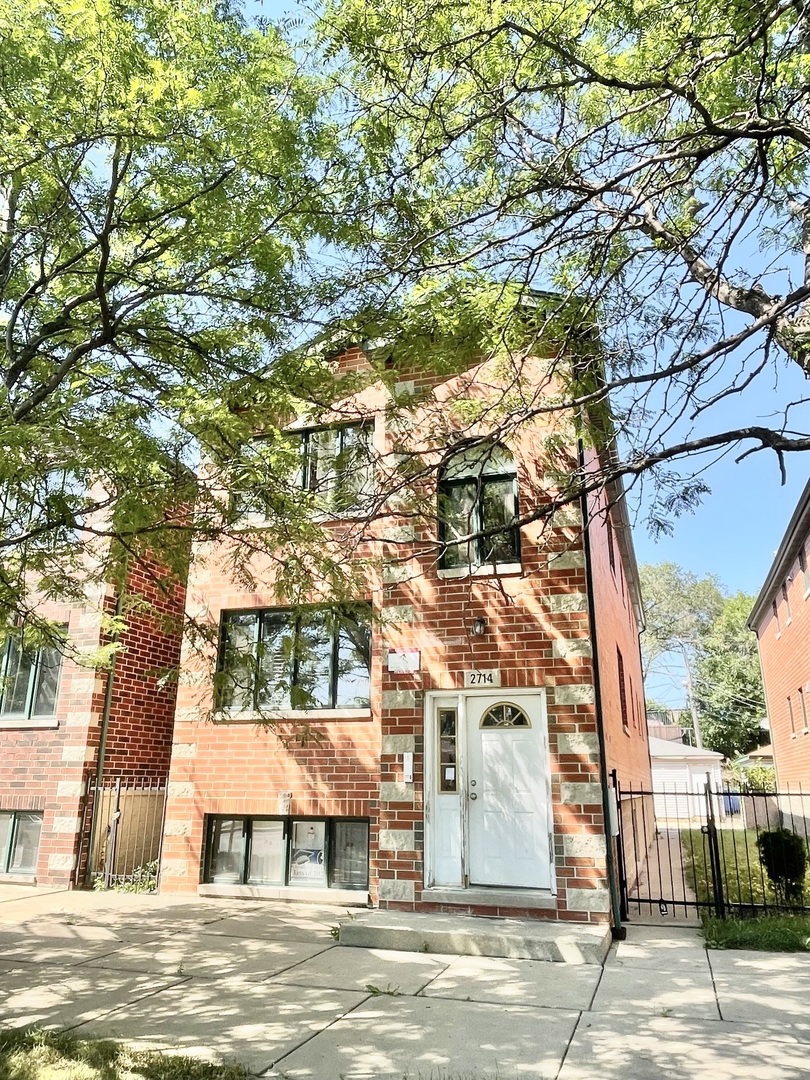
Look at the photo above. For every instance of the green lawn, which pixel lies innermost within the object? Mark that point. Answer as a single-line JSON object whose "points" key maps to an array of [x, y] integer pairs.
{"points": [[41, 1055], [744, 880], [775, 933]]}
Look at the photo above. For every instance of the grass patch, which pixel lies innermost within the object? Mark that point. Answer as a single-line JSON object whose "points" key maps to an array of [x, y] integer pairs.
{"points": [[745, 883], [773, 933], [58, 1055]]}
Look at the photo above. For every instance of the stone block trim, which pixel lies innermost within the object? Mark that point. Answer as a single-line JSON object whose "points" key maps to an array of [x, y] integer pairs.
{"points": [[562, 648], [399, 613], [69, 789], [584, 846], [180, 789], [566, 560], [184, 750], [398, 744], [566, 602], [401, 890], [577, 694], [396, 792], [399, 699], [580, 743], [397, 840], [590, 900], [581, 794], [61, 862], [177, 828]]}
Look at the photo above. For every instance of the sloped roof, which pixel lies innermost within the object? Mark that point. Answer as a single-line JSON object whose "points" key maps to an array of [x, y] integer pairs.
{"points": [[665, 748], [797, 529]]}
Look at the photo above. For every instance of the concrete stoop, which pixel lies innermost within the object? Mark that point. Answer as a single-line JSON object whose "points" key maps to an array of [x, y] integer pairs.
{"points": [[476, 935]]}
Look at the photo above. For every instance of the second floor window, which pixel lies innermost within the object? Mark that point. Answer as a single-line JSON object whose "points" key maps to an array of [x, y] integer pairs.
{"points": [[335, 464], [308, 659], [29, 681], [478, 495]]}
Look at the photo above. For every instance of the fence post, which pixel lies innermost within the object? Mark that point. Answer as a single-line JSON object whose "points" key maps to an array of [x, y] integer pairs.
{"points": [[714, 852], [623, 905], [109, 863]]}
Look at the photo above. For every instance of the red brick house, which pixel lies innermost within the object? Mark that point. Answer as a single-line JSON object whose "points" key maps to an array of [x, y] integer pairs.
{"points": [[781, 620], [460, 715], [65, 726]]}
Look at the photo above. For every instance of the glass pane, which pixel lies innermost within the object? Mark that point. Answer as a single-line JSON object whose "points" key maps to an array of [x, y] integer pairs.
{"points": [[313, 653], [47, 684], [498, 508], [226, 857], [456, 506], [251, 482], [448, 776], [5, 836], [238, 660], [505, 716], [354, 660], [267, 851], [306, 857], [350, 855], [275, 660], [483, 459], [354, 468], [17, 676], [25, 844], [321, 453]]}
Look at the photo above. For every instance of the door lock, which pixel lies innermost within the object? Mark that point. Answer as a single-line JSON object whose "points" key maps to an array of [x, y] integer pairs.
{"points": [[473, 795]]}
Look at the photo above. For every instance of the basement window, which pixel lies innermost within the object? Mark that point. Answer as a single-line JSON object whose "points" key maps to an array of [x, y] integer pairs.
{"points": [[20, 831], [29, 681], [303, 852]]}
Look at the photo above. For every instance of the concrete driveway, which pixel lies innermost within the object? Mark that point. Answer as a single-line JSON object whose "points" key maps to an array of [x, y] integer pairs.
{"points": [[264, 984]]}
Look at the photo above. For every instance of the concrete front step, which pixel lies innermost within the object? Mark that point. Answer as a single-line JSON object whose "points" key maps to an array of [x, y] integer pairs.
{"points": [[475, 935]]}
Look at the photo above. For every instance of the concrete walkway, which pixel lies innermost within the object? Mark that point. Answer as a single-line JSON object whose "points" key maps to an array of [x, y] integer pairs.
{"points": [[263, 984]]}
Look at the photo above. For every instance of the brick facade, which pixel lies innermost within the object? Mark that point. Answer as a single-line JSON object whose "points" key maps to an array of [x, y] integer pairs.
{"points": [[537, 633], [781, 621]]}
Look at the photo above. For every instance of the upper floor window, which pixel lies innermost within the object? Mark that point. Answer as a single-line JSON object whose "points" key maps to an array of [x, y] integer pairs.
{"points": [[310, 659], [29, 681], [335, 464], [803, 568], [478, 498]]}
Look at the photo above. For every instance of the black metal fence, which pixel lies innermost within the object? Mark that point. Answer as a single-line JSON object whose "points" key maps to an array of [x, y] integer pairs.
{"points": [[122, 831], [721, 849]]}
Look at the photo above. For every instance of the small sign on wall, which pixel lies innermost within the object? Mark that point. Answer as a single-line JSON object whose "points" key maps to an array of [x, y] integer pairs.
{"points": [[404, 660], [483, 677]]}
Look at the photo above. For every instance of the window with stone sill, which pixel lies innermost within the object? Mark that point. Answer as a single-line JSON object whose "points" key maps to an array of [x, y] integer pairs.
{"points": [[302, 852], [280, 660], [29, 680], [20, 832], [478, 497], [334, 464]]}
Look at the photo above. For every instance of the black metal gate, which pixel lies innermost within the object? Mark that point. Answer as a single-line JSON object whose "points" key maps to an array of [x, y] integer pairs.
{"points": [[681, 852], [121, 833]]}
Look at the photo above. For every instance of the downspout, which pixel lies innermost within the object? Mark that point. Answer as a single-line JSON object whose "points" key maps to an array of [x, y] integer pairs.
{"points": [[618, 932], [102, 742]]}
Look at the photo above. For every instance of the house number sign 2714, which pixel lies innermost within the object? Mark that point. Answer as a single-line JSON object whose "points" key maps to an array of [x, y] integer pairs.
{"points": [[482, 677]]}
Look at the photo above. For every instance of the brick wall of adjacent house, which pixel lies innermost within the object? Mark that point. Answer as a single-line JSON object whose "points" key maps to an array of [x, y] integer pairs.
{"points": [[784, 647], [537, 635]]}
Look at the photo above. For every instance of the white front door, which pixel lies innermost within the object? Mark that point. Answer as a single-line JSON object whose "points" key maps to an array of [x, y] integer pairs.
{"points": [[487, 789], [507, 792]]}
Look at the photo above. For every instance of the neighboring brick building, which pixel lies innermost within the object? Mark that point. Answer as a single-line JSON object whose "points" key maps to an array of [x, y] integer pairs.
{"points": [[459, 730], [63, 725], [781, 621]]}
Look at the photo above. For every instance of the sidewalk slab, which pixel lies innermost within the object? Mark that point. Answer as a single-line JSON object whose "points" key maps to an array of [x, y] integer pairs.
{"points": [[211, 956], [669, 1048], [431, 1037], [677, 991], [358, 969], [652, 946], [226, 1020], [285, 921], [540, 983], [60, 997], [471, 935], [65, 950], [765, 988]]}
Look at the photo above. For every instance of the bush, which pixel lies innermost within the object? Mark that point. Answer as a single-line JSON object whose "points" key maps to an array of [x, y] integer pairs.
{"points": [[784, 856], [143, 879]]}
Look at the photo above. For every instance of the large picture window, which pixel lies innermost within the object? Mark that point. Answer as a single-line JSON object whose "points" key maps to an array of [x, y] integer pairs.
{"points": [[335, 464], [20, 831], [310, 852], [311, 659], [478, 495], [29, 681]]}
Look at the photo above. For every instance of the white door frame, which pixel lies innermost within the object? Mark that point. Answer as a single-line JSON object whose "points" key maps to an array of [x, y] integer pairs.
{"points": [[458, 699]]}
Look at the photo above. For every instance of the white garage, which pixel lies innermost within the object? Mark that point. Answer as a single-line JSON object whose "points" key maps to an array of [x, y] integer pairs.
{"points": [[679, 780]]}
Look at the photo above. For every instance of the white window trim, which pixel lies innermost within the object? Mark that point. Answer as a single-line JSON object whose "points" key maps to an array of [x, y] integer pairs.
{"points": [[488, 570], [238, 716]]}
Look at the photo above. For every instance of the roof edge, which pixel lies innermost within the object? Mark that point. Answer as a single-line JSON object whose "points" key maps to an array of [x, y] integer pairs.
{"points": [[788, 549]]}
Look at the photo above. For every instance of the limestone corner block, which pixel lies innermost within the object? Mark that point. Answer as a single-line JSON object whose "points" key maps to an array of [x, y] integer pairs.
{"points": [[562, 648], [396, 840], [399, 699], [184, 750], [396, 890], [180, 789], [398, 744], [584, 846], [398, 533], [398, 613], [566, 560], [588, 900], [582, 743], [566, 517], [566, 602], [584, 794], [398, 572], [577, 694], [69, 789], [82, 753], [174, 868], [396, 792], [66, 826], [61, 862], [177, 828]]}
